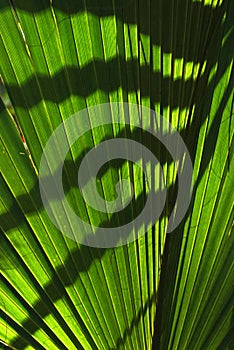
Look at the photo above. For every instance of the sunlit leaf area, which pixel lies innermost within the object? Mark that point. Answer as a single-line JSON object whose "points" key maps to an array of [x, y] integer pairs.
{"points": [[162, 290]]}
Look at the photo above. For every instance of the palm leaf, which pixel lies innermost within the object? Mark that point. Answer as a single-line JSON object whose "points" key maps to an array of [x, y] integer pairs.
{"points": [[161, 291]]}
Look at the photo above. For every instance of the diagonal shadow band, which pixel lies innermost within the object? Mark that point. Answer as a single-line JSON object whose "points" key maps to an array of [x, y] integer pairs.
{"points": [[130, 12], [82, 84], [80, 259]]}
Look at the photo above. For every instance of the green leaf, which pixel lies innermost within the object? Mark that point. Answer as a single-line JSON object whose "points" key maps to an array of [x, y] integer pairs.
{"points": [[162, 291]]}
